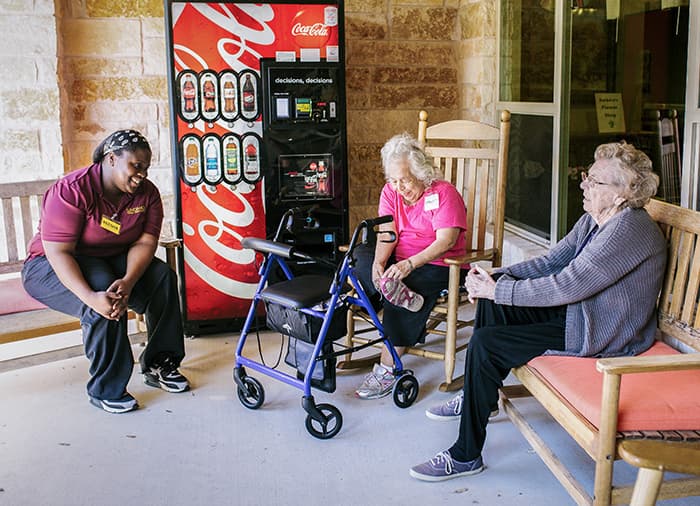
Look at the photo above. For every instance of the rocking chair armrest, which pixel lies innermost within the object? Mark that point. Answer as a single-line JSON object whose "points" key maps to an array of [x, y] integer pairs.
{"points": [[471, 256]]}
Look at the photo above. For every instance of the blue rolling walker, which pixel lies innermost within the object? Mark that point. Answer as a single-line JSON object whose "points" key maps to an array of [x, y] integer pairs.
{"points": [[311, 310]]}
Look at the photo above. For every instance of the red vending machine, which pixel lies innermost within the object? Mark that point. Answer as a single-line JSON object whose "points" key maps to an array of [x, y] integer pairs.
{"points": [[257, 107]]}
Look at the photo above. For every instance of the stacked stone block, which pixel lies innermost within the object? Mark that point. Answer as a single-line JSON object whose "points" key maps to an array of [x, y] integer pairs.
{"points": [[401, 58], [30, 131], [113, 69], [80, 69]]}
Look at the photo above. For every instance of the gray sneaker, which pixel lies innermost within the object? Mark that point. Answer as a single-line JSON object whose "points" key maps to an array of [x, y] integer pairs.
{"points": [[124, 404], [443, 467], [165, 375], [376, 384], [451, 410]]}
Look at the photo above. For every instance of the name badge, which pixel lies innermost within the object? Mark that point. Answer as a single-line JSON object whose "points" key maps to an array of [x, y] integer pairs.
{"points": [[111, 225], [431, 202]]}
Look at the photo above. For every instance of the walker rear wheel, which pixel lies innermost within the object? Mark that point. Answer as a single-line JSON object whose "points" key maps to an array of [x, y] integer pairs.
{"points": [[330, 428], [405, 390], [253, 395]]}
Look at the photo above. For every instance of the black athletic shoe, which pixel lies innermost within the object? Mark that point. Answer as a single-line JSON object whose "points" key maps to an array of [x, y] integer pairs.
{"points": [[166, 376], [124, 404]]}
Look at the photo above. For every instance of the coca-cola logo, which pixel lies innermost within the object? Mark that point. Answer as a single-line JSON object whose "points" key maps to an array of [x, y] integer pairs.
{"points": [[309, 30], [315, 30]]}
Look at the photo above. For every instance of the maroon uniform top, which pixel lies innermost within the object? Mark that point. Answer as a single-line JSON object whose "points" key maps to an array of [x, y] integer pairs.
{"points": [[74, 208]]}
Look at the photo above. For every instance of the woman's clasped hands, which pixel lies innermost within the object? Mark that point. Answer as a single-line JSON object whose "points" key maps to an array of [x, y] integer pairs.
{"points": [[479, 284]]}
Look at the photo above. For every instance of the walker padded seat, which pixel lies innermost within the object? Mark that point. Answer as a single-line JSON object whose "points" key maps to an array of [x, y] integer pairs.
{"points": [[299, 292], [669, 402]]}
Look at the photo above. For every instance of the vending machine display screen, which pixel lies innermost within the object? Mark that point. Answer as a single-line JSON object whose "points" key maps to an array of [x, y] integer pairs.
{"points": [[306, 177], [302, 94]]}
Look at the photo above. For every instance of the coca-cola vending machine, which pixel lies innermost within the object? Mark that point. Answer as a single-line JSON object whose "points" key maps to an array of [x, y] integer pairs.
{"points": [[257, 102]]}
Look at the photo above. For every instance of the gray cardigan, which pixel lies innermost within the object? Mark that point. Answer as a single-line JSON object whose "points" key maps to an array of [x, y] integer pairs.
{"points": [[610, 288]]}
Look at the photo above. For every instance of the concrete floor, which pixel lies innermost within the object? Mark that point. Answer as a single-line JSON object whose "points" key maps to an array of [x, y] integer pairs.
{"points": [[204, 447]]}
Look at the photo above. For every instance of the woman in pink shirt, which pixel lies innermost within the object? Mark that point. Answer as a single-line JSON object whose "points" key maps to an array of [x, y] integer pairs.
{"points": [[430, 223], [93, 258]]}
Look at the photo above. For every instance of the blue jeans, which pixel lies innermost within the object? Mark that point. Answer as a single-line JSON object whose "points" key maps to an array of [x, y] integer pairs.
{"points": [[106, 341]]}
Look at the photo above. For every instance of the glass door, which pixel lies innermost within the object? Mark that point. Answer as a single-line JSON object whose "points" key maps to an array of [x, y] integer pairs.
{"points": [[628, 82], [579, 73], [529, 76]]}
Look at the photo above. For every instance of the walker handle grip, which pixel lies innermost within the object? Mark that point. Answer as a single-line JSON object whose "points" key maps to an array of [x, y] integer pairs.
{"points": [[373, 222], [265, 246]]}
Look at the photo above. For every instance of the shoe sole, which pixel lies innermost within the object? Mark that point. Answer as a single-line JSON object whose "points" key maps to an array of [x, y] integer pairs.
{"points": [[372, 396], [425, 477], [441, 418], [444, 418], [408, 302], [115, 411], [163, 386]]}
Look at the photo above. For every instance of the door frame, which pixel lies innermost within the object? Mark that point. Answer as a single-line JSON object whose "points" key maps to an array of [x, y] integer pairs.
{"points": [[558, 110]]}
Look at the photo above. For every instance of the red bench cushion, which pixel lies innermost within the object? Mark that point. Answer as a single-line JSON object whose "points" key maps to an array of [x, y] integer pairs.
{"points": [[648, 401], [13, 298]]}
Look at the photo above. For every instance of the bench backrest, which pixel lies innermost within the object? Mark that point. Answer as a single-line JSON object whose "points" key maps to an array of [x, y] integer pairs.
{"points": [[678, 312], [21, 205]]}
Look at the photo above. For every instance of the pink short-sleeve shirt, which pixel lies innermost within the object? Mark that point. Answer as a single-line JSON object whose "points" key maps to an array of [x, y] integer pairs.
{"points": [[440, 206], [73, 209]]}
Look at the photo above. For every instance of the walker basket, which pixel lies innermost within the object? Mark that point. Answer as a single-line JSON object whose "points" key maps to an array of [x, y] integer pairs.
{"points": [[291, 322], [299, 353]]}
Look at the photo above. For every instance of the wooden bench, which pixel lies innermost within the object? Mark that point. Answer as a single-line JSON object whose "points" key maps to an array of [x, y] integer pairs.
{"points": [[603, 402], [22, 317], [653, 458]]}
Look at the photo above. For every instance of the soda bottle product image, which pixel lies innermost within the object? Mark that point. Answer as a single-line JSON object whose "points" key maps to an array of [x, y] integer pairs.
{"points": [[322, 184], [248, 95], [229, 94], [231, 159], [310, 177], [209, 94], [192, 161], [322, 178], [252, 164], [189, 94], [211, 156]]}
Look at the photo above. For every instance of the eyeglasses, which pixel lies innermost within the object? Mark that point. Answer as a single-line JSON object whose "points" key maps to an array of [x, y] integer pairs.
{"points": [[403, 182], [592, 181]]}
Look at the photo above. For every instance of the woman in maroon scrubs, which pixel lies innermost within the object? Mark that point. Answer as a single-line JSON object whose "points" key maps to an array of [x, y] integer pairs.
{"points": [[93, 258]]}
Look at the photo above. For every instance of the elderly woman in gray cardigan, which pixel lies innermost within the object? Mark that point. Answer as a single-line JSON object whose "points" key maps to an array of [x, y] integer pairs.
{"points": [[592, 295]]}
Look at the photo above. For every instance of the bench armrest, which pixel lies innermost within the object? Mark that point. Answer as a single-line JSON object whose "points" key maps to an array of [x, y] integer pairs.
{"points": [[625, 365]]}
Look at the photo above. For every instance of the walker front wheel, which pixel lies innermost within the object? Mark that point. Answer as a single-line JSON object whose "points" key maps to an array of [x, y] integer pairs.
{"points": [[334, 421], [253, 395], [405, 390]]}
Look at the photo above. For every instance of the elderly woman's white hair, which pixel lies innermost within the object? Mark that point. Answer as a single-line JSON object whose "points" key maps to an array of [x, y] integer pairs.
{"points": [[405, 147], [634, 171]]}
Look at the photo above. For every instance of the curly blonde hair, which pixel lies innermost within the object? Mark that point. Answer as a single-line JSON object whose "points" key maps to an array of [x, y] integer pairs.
{"points": [[635, 172]]}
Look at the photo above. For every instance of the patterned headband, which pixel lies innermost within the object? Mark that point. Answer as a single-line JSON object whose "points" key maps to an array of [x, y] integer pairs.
{"points": [[122, 138]]}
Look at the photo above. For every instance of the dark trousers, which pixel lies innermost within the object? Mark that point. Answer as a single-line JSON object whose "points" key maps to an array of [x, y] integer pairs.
{"points": [[504, 337], [106, 341], [401, 326]]}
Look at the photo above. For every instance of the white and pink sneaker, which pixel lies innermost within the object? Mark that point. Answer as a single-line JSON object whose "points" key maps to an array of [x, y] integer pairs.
{"points": [[396, 292]]}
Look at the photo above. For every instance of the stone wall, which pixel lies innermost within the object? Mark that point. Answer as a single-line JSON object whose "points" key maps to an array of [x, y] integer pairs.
{"points": [[30, 132], [112, 65], [478, 60], [402, 56]]}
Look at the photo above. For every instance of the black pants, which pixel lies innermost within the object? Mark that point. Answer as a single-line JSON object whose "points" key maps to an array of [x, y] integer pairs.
{"points": [[106, 341], [401, 326], [504, 337]]}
